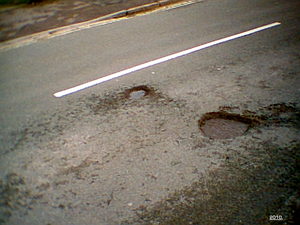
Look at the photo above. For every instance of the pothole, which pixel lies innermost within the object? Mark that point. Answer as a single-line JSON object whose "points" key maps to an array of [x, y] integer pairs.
{"points": [[223, 125], [137, 92], [223, 129]]}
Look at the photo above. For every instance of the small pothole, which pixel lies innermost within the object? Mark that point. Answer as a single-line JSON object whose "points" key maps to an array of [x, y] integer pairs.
{"points": [[223, 125], [137, 92]]}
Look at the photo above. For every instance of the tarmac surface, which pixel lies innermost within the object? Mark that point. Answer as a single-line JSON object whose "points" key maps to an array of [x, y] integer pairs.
{"points": [[152, 147], [23, 20]]}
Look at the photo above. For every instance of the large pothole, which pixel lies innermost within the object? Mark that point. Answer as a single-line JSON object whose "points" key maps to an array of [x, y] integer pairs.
{"points": [[223, 129], [223, 125]]}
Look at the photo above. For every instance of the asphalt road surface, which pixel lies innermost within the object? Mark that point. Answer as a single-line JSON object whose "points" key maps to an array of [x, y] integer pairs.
{"points": [[97, 157]]}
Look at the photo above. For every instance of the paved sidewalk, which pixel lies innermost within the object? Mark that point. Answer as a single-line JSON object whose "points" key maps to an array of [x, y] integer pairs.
{"points": [[24, 20]]}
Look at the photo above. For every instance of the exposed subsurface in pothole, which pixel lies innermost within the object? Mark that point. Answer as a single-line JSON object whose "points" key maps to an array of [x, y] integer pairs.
{"points": [[137, 92], [224, 125], [223, 129]]}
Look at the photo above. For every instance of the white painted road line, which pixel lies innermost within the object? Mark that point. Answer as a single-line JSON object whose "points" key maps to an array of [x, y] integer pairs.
{"points": [[160, 60]]}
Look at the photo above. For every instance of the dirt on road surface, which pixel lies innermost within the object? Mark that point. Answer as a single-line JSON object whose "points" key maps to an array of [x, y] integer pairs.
{"points": [[143, 158]]}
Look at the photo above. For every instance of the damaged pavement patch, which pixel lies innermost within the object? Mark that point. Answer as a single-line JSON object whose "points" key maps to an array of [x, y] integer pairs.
{"points": [[146, 157]]}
